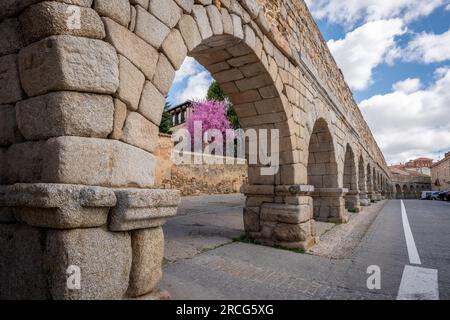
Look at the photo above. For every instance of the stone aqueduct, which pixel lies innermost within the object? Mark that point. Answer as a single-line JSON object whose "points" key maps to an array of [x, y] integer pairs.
{"points": [[80, 108]]}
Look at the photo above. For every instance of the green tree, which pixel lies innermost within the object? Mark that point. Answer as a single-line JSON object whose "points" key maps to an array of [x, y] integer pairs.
{"points": [[166, 121], [215, 92]]}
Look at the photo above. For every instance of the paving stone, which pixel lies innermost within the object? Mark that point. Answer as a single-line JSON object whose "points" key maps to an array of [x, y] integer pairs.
{"points": [[65, 113], [82, 65]]}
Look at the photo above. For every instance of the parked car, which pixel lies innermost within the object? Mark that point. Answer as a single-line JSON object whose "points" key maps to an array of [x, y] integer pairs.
{"points": [[426, 195], [435, 195], [444, 196]]}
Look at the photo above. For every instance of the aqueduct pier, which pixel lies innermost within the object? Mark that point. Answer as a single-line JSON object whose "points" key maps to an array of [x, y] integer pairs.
{"points": [[80, 105]]}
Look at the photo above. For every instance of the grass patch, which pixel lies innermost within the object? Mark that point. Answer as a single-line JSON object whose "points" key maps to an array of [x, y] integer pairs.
{"points": [[298, 251], [244, 239], [354, 210]]}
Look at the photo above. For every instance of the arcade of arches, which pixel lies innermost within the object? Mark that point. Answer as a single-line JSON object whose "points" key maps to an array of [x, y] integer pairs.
{"points": [[80, 109]]}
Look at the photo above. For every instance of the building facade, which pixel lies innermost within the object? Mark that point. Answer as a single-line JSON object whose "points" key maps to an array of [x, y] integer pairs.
{"points": [[440, 174], [419, 165], [180, 113]]}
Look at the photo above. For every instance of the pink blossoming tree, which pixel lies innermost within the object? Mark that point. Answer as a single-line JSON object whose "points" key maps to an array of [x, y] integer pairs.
{"points": [[211, 114]]}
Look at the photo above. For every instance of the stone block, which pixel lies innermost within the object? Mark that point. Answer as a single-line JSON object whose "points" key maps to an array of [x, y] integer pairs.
{"points": [[120, 115], [164, 74], [215, 19], [292, 232], [10, 88], [142, 208], [149, 28], [69, 63], [292, 214], [167, 11], [201, 17], [104, 259], [117, 10], [148, 253], [65, 113], [131, 83], [54, 18], [174, 48], [227, 22], [58, 206], [140, 132], [237, 26], [139, 52], [251, 219], [11, 39], [186, 5], [152, 103], [75, 160], [189, 31], [9, 131], [22, 269]]}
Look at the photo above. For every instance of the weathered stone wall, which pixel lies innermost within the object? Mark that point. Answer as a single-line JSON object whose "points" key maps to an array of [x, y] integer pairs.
{"points": [[440, 173], [192, 179], [410, 186]]}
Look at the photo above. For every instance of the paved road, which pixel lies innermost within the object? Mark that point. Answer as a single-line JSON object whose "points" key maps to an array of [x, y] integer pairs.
{"points": [[206, 264]]}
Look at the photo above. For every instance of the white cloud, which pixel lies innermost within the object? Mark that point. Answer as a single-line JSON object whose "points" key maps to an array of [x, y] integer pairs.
{"points": [[365, 48], [412, 123], [407, 86], [429, 48], [196, 88], [189, 68], [349, 12]]}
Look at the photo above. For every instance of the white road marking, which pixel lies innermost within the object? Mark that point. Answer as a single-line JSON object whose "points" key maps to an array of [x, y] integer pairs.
{"points": [[411, 245], [418, 284]]}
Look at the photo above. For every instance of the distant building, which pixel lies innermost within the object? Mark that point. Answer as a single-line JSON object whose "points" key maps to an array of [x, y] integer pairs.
{"points": [[180, 113], [420, 165], [408, 184], [440, 174]]}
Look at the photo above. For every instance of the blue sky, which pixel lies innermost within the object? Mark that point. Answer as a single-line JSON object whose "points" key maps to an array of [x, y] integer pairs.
{"points": [[395, 56]]}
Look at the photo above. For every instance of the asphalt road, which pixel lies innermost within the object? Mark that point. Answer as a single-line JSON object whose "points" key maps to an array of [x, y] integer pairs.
{"points": [[214, 267]]}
